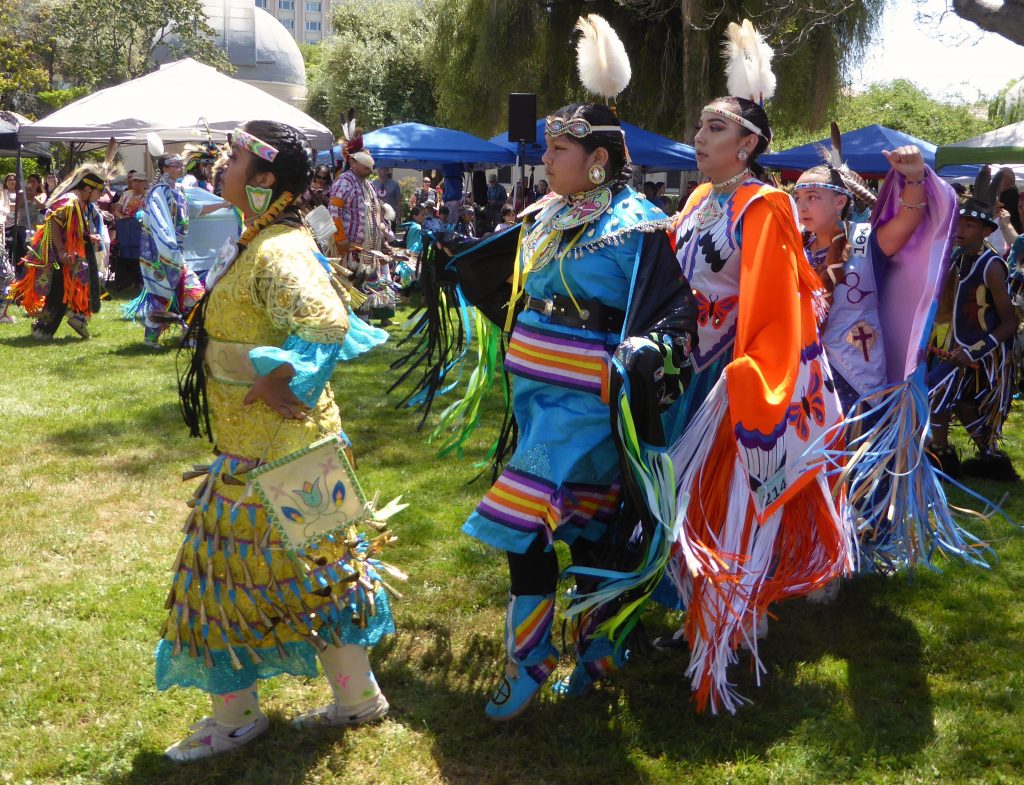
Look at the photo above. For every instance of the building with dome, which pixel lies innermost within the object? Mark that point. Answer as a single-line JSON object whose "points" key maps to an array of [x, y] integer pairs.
{"points": [[263, 52]]}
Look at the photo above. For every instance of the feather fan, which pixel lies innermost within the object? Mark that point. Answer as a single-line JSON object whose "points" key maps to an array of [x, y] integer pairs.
{"points": [[601, 57], [748, 70]]}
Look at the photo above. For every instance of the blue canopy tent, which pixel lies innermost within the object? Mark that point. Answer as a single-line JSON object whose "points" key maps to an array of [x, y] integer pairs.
{"points": [[862, 150], [418, 146], [647, 150]]}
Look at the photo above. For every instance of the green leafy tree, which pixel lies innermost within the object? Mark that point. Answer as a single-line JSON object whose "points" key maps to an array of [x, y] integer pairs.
{"points": [[898, 105], [94, 43], [483, 50], [376, 62], [21, 72], [1008, 106]]}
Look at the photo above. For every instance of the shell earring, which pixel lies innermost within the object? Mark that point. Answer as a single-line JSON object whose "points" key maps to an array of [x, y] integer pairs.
{"points": [[596, 174]]}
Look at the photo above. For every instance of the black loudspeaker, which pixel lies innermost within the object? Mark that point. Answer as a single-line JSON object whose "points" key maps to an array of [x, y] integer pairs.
{"points": [[522, 117]]}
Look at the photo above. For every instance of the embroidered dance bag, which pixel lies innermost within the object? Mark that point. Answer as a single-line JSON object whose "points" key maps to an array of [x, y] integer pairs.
{"points": [[310, 494]]}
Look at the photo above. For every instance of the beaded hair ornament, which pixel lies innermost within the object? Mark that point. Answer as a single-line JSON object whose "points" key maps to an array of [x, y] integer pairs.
{"points": [[254, 145], [748, 72]]}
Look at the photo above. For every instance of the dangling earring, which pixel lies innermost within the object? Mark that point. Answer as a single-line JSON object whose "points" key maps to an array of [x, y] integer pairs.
{"points": [[259, 198], [743, 155], [596, 174]]}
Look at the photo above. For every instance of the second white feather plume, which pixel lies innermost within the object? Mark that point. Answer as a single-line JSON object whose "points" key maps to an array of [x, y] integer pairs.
{"points": [[748, 68]]}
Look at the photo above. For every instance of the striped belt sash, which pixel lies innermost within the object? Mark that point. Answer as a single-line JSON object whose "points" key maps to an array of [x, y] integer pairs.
{"points": [[558, 358]]}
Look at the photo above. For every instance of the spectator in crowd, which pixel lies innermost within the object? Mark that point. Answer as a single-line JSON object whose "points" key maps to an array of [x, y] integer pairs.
{"points": [[466, 225], [389, 192], [542, 188], [129, 233], [690, 186], [453, 190], [50, 184], [508, 218], [444, 217], [496, 198], [35, 200], [10, 197], [424, 194], [432, 223], [319, 192], [660, 200]]}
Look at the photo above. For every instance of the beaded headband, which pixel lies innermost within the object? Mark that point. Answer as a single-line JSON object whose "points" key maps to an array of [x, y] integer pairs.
{"points": [[576, 127], [92, 181], [826, 186], [737, 119], [253, 145], [174, 160]]}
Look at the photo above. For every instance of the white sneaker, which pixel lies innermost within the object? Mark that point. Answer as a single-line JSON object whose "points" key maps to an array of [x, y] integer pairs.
{"points": [[211, 738], [332, 715]]}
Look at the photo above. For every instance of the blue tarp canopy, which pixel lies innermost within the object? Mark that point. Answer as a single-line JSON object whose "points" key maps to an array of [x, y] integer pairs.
{"points": [[646, 149], [418, 146], [862, 150]]}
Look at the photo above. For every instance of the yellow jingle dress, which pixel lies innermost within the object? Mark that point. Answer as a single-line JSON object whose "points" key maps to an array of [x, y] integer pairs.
{"points": [[241, 607]]}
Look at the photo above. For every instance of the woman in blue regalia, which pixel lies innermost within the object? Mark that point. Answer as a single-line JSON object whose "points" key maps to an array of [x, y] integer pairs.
{"points": [[600, 290]]}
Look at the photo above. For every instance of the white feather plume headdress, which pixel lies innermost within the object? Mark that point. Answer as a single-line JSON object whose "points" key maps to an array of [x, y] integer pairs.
{"points": [[601, 58], [748, 67]]}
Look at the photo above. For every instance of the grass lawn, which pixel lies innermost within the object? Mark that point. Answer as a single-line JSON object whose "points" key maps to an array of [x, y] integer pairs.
{"points": [[900, 681]]}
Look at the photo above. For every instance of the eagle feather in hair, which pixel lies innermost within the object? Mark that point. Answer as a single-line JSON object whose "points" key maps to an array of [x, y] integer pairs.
{"points": [[601, 57], [748, 70]]}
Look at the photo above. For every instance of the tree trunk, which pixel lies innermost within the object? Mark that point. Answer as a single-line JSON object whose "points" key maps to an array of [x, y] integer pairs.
{"points": [[1005, 18], [695, 90]]}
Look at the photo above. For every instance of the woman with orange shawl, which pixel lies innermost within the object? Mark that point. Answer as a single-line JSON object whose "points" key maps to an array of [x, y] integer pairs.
{"points": [[758, 523], [60, 266]]}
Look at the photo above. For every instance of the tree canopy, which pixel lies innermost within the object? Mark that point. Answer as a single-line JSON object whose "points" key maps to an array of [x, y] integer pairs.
{"points": [[377, 62], [483, 50], [92, 44], [898, 105]]}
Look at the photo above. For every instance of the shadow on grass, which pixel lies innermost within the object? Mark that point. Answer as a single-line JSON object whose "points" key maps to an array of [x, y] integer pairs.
{"points": [[882, 709], [28, 341], [275, 757]]}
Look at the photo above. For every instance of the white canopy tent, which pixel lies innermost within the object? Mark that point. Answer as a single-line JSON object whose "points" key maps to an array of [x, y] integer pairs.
{"points": [[178, 102], [1004, 144]]}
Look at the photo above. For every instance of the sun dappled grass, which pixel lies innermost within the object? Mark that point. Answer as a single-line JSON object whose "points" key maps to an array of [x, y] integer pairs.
{"points": [[900, 681]]}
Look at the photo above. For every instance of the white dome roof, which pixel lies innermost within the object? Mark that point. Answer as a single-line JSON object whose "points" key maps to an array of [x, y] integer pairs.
{"points": [[262, 51], [278, 58]]}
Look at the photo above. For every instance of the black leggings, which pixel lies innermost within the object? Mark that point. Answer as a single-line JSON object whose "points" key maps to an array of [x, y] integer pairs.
{"points": [[536, 570]]}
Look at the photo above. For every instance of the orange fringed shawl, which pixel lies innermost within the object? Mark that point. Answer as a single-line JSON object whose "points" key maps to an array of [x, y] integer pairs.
{"points": [[760, 523]]}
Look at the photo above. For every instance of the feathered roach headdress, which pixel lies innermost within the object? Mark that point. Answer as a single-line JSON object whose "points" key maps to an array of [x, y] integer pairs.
{"points": [[352, 141], [604, 70], [748, 72], [983, 204], [196, 154], [842, 178], [95, 175]]}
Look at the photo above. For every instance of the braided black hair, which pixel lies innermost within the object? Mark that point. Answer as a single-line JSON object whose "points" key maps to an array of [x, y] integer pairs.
{"points": [[753, 113], [293, 168], [618, 169]]}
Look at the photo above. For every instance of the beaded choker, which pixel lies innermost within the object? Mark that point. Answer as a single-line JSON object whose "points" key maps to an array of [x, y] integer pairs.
{"points": [[725, 185]]}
